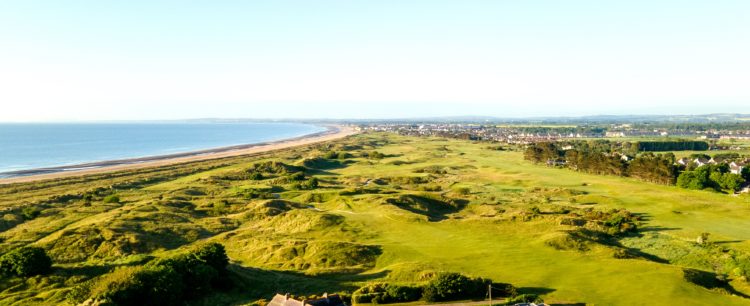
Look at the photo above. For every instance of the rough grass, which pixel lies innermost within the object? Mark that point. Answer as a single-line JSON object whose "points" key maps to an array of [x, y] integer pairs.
{"points": [[429, 205]]}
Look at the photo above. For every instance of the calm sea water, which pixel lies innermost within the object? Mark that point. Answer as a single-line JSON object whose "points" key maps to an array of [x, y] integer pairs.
{"points": [[30, 146]]}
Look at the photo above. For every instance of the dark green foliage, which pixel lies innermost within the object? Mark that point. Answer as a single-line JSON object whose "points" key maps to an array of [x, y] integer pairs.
{"points": [[725, 157], [309, 184], [337, 155], [542, 151], [385, 293], [258, 194], [600, 157], [454, 286], [25, 261], [654, 168], [697, 180], [503, 290], [596, 162], [212, 254], [30, 213], [157, 285], [716, 177], [169, 281], [612, 222], [524, 298], [256, 176], [683, 145]]}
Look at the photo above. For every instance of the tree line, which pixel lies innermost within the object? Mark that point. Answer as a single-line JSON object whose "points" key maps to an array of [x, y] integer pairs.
{"points": [[598, 158]]}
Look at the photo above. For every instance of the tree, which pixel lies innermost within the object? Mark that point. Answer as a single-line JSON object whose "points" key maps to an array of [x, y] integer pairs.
{"points": [[25, 261], [692, 180], [731, 181]]}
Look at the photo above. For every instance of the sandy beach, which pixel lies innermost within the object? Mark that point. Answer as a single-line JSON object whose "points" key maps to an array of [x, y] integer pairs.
{"points": [[333, 132]]}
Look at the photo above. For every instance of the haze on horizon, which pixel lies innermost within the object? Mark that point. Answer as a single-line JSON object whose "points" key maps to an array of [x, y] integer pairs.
{"points": [[142, 60]]}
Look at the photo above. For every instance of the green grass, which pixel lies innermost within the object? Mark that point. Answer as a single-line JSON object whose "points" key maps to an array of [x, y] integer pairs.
{"points": [[369, 221]]}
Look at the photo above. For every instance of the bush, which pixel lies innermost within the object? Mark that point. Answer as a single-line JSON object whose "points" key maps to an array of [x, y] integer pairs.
{"points": [[524, 298], [30, 213], [169, 281], [384, 293], [149, 285], [454, 286], [256, 176], [25, 261]]}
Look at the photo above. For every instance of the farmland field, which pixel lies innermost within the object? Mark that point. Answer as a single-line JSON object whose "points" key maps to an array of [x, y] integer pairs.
{"points": [[387, 208]]}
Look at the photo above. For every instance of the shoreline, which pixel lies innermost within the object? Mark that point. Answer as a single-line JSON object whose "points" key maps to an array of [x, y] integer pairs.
{"points": [[21, 176]]}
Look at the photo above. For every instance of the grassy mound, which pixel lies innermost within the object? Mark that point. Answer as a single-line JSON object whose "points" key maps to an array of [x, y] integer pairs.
{"points": [[317, 256]]}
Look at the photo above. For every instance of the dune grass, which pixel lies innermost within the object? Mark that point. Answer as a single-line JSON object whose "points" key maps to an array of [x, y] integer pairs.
{"points": [[428, 205]]}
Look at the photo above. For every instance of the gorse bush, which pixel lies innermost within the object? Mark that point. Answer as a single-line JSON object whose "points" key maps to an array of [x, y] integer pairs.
{"points": [[30, 213], [168, 281], [384, 293], [454, 286], [25, 261]]}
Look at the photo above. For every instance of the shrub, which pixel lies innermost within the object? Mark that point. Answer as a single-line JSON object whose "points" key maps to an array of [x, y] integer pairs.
{"points": [[385, 293], [256, 176], [453, 286], [524, 298], [149, 285], [168, 281], [214, 255], [25, 261], [30, 213]]}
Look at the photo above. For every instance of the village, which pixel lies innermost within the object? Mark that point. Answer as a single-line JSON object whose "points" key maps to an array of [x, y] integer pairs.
{"points": [[520, 134]]}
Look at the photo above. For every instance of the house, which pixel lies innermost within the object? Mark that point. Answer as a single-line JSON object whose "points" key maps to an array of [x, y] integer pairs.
{"points": [[700, 161], [555, 162], [683, 161], [626, 157], [325, 300], [737, 167]]}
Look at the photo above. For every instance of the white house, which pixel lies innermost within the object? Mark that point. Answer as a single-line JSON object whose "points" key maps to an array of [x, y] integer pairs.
{"points": [[700, 162], [737, 167]]}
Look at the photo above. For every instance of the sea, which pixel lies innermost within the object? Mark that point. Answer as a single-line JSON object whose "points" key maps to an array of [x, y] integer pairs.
{"points": [[26, 146]]}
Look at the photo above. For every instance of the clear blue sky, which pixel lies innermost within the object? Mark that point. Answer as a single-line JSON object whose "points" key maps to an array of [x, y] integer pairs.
{"points": [[103, 60]]}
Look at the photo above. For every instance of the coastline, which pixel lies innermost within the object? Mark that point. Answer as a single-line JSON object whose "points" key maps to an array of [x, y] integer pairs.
{"points": [[21, 176]]}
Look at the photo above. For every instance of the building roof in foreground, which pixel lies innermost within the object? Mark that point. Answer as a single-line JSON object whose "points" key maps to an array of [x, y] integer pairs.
{"points": [[326, 300]]}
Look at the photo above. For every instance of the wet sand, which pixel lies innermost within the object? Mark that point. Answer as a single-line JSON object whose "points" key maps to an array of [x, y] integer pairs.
{"points": [[333, 132]]}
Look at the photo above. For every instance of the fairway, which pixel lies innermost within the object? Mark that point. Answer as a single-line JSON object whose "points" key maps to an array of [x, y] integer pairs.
{"points": [[426, 205]]}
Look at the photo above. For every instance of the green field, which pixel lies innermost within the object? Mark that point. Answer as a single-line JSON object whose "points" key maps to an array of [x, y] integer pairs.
{"points": [[429, 205]]}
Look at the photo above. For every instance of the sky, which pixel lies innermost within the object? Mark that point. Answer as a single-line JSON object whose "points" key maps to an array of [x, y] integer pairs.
{"points": [[143, 60]]}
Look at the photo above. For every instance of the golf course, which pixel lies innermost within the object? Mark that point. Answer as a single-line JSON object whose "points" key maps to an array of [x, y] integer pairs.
{"points": [[379, 207]]}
